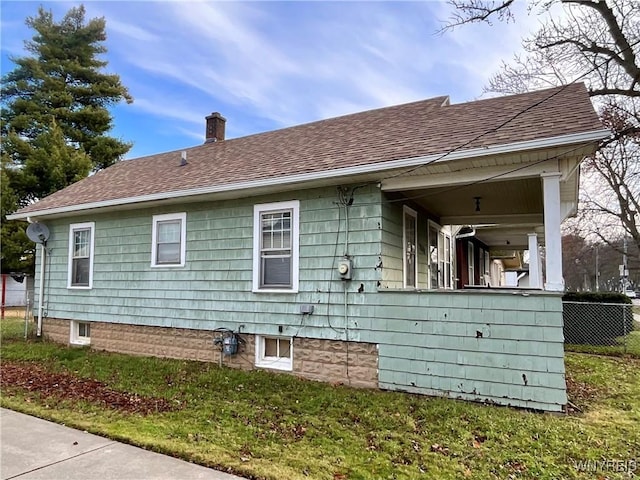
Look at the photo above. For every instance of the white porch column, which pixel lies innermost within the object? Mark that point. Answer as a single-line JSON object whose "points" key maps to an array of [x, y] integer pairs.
{"points": [[535, 272], [552, 235]]}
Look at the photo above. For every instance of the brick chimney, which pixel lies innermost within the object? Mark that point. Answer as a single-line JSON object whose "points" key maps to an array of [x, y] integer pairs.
{"points": [[215, 128]]}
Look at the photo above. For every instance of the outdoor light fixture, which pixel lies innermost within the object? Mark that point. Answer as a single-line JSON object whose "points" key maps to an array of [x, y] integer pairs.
{"points": [[477, 199]]}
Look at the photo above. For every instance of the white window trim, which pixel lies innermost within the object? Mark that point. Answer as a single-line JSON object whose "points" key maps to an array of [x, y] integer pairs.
{"points": [[81, 226], [487, 267], [431, 224], [258, 210], [407, 210], [275, 363], [443, 236], [74, 336], [471, 263], [447, 260], [183, 239]]}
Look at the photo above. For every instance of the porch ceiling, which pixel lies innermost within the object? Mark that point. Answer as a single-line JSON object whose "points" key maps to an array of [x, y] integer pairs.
{"points": [[509, 211], [515, 201], [509, 189]]}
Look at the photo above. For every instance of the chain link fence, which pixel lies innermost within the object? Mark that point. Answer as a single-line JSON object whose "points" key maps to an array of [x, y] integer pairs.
{"points": [[18, 318], [604, 328]]}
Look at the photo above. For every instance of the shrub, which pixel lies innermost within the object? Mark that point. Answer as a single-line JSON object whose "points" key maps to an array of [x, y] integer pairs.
{"points": [[596, 297]]}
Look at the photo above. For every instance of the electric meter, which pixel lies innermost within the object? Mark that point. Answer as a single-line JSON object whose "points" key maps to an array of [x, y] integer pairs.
{"points": [[344, 269]]}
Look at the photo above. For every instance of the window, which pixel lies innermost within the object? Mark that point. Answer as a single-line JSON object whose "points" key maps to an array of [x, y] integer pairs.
{"points": [[444, 260], [81, 243], [275, 247], [80, 333], [433, 254], [484, 262], [410, 242], [169, 234], [439, 261], [487, 267], [274, 352], [471, 261]]}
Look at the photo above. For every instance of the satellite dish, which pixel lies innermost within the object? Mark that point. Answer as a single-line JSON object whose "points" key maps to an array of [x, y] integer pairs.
{"points": [[38, 232]]}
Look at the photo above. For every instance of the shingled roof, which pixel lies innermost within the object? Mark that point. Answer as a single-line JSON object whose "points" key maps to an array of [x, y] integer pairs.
{"points": [[362, 139]]}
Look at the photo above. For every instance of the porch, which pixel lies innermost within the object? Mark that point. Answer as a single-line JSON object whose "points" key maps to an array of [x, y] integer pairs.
{"points": [[495, 219], [494, 346]]}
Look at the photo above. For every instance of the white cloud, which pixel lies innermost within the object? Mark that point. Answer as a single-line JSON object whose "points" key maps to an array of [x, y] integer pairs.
{"points": [[253, 56], [167, 108], [131, 31], [266, 65], [191, 133]]}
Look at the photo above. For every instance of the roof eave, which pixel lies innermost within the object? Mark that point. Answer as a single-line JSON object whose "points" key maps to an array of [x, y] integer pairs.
{"points": [[310, 178]]}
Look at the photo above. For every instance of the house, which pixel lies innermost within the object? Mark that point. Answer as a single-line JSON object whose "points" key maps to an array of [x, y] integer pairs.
{"points": [[15, 290], [365, 249]]}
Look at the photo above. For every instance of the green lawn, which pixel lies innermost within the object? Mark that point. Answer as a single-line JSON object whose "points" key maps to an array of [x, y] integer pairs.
{"points": [[629, 345], [275, 426]]}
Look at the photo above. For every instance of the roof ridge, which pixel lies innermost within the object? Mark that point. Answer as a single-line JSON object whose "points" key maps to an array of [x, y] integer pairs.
{"points": [[440, 100], [386, 134], [514, 96]]}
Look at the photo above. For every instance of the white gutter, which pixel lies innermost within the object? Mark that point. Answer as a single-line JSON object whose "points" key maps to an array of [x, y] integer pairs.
{"points": [[583, 137]]}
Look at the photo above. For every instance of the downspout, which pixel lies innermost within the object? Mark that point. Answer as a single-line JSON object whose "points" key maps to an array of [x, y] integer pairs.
{"points": [[41, 286], [41, 294]]}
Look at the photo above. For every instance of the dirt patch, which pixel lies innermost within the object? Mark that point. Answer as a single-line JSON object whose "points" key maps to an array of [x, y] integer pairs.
{"points": [[66, 386], [582, 394]]}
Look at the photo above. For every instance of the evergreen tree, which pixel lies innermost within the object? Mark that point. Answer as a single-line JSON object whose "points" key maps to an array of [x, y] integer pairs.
{"points": [[55, 119], [17, 249]]}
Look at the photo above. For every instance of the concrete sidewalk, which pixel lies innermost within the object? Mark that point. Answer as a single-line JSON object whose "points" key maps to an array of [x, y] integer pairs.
{"points": [[32, 448]]}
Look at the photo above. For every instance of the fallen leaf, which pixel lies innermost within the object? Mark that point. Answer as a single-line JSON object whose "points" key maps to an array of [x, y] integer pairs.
{"points": [[439, 449]]}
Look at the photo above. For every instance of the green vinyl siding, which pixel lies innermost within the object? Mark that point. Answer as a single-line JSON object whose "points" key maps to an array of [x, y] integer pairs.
{"points": [[428, 341], [213, 289], [391, 245], [498, 352]]}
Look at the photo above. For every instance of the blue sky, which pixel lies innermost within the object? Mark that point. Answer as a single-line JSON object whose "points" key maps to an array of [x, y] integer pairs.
{"points": [[267, 65]]}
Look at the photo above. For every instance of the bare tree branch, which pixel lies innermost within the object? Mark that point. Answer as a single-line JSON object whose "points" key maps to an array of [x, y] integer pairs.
{"points": [[628, 60], [598, 42], [474, 11]]}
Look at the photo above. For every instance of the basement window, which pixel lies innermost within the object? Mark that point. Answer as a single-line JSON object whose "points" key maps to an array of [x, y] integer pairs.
{"points": [[80, 333], [274, 352]]}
